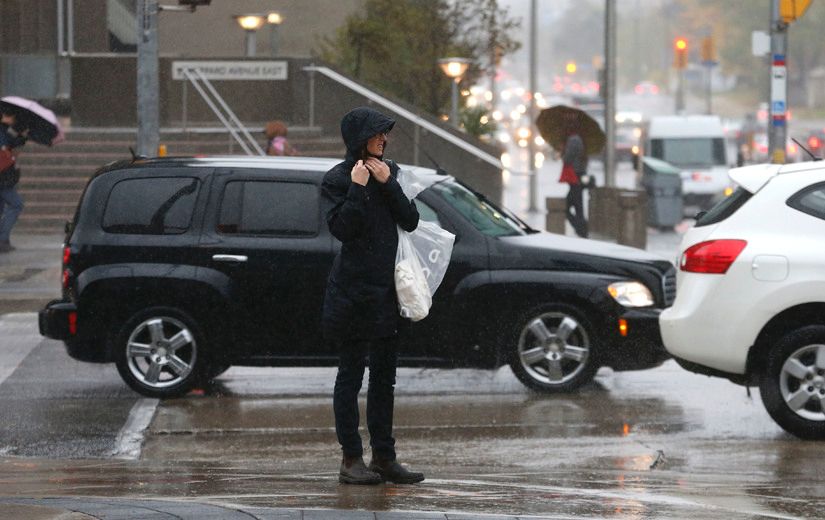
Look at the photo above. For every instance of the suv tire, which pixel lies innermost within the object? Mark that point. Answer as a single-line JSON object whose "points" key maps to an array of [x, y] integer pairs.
{"points": [[552, 349], [161, 352], [793, 384]]}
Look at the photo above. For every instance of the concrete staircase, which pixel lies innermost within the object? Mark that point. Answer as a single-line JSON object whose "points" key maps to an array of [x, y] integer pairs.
{"points": [[53, 179]]}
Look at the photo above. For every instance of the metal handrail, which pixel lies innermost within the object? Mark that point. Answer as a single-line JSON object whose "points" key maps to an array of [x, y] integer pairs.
{"points": [[227, 123], [229, 112], [406, 114]]}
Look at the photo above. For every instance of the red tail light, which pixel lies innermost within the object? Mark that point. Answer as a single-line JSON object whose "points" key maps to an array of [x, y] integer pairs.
{"points": [[814, 142], [67, 256], [73, 323], [711, 257]]}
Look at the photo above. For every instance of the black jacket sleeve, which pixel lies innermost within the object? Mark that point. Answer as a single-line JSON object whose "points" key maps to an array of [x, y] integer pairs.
{"points": [[347, 217], [403, 210]]}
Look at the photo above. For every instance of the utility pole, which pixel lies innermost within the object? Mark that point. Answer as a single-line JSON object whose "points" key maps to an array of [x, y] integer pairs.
{"points": [[147, 78], [709, 61], [531, 146], [777, 131], [610, 92]]}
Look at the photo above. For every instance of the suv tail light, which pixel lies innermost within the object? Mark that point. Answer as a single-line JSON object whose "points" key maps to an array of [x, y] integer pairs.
{"points": [[67, 274], [712, 256]]}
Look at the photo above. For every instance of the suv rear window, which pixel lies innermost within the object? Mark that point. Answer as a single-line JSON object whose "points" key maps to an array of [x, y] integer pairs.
{"points": [[151, 206], [269, 208], [725, 208]]}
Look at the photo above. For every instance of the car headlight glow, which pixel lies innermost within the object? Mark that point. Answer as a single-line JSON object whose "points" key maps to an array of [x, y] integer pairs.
{"points": [[631, 294]]}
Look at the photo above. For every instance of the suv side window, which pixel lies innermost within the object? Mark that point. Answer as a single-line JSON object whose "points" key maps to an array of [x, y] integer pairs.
{"points": [[269, 208], [151, 206], [811, 200]]}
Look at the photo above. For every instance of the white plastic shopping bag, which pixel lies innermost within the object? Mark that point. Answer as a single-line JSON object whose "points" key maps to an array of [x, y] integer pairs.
{"points": [[422, 258]]}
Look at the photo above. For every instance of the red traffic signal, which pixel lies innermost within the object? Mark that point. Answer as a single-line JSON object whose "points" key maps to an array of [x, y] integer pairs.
{"points": [[680, 53]]}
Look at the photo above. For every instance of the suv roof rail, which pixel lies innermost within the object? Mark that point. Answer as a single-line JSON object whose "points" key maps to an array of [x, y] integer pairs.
{"points": [[136, 157]]}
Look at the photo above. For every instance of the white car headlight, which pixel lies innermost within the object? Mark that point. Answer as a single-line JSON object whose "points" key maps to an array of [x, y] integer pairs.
{"points": [[631, 294]]}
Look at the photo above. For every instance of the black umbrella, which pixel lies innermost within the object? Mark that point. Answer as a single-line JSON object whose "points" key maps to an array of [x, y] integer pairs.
{"points": [[553, 124], [41, 122]]}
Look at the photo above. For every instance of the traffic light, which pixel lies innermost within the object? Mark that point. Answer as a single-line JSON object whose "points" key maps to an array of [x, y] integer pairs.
{"points": [[194, 4], [571, 67], [680, 53], [790, 10]]}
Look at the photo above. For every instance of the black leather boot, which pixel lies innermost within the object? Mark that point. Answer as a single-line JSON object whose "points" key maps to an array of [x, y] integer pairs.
{"points": [[392, 471], [354, 471]]}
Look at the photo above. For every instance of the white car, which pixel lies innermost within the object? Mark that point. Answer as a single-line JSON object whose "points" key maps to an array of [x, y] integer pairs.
{"points": [[750, 302]]}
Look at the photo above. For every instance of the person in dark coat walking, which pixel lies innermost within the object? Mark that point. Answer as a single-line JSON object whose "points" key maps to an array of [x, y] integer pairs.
{"points": [[574, 172], [360, 315]]}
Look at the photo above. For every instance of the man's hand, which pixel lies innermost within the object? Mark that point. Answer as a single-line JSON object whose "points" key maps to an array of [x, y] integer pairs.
{"points": [[378, 169], [360, 174]]}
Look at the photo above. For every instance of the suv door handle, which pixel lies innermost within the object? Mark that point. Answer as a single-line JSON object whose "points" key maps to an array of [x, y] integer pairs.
{"points": [[229, 258]]}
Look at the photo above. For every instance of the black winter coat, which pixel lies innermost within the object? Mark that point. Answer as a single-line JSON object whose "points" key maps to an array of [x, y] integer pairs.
{"points": [[360, 300]]}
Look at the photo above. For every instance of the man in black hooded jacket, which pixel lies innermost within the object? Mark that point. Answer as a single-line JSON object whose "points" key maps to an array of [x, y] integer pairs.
{"points": [[360, 316]]}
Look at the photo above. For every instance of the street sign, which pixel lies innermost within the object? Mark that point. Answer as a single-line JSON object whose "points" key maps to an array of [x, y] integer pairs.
{"points": [[233, 70], [760, 43], [779, 74]]}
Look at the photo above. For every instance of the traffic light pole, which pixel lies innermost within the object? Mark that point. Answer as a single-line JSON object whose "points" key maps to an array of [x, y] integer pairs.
{"points": [[531, 147], [147, 78], [680, 91], [777, 131]]}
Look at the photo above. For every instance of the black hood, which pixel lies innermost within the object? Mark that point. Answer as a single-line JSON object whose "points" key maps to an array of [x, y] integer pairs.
{"points": [[359, 125]]}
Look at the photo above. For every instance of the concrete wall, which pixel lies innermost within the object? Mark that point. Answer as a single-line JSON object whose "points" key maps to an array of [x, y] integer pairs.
{"points": [[104, 94], [30, 26], [212, 31]]}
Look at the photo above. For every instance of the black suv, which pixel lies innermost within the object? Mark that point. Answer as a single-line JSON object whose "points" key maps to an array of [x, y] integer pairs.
{"points": [[177, 268]]}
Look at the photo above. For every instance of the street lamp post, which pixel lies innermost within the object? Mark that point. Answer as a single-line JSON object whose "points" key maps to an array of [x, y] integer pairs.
{"points": [[250, 23], [274, 20], [454, 68]]}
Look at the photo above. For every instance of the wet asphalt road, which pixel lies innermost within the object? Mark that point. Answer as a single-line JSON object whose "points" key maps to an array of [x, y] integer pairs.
{"points": [[660, 443]]}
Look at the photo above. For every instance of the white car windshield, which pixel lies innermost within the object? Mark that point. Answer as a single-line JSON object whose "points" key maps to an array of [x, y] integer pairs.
{"points": [[693, 152]]}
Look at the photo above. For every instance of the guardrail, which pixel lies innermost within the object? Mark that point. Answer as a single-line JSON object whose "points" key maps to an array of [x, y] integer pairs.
{"points": [[227, 117], [417, 120]]}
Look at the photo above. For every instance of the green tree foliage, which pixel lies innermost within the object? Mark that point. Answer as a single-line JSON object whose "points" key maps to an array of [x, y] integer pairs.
{"points": [[476, 121], [395, 45]]}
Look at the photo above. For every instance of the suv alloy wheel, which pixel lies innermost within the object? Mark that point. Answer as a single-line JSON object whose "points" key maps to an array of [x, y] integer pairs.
{"points": [[793, 385], [160, 352], [554, 350]]}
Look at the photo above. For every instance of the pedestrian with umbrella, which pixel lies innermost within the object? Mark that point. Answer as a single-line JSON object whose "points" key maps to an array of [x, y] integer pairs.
{"points": [[575, 135], [12, 138], [20, 120]]}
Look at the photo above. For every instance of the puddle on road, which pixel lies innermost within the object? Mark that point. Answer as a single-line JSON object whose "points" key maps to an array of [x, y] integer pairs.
{"points": [[474, 489]]}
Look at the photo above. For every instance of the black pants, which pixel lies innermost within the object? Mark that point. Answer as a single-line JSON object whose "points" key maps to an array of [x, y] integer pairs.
{"points": [[353, 356], [575, 201]]}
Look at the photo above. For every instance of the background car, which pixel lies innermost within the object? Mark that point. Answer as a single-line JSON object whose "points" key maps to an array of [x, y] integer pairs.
{"points": [[761, 153], [815, 142], [751, 292], [646, 88], [175, 269]]}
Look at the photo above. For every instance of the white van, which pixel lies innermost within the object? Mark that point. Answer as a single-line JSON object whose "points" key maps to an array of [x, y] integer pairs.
{"points": [[695, 145]]}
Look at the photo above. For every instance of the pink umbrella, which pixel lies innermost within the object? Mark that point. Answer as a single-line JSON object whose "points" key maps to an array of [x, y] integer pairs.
{"points": [[41, 122]]}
